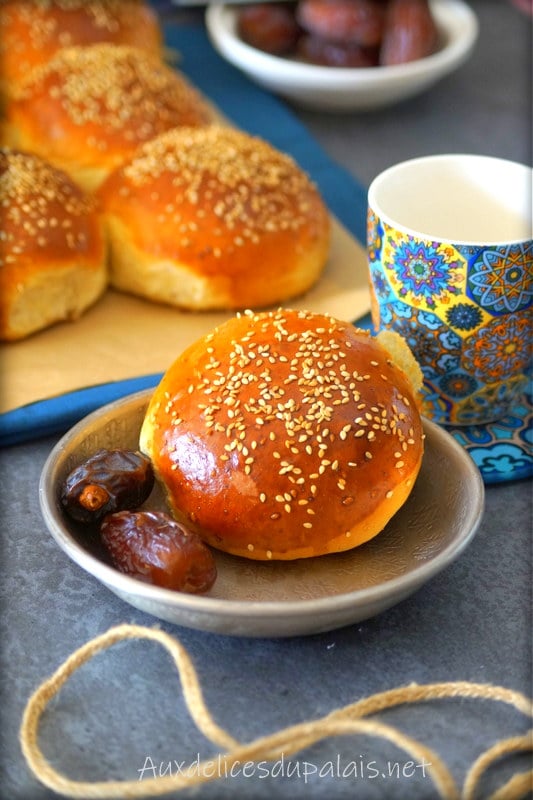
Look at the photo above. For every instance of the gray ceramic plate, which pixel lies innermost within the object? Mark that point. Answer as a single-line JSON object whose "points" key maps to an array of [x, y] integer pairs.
{"points": [[253, 598]]}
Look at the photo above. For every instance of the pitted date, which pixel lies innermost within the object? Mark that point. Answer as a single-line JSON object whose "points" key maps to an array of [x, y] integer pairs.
{"points": [[155, 548], [108, 481]]}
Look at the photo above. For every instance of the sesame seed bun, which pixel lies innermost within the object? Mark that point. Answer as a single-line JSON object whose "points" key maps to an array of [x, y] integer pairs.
{"points": [[32, 31], [284, 435], [52, 250], [89, 108], [214, 218]]}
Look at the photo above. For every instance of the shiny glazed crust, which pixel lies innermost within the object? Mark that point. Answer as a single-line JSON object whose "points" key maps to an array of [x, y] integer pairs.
{"points": [[32, 31], [52, 255], [212, 218], [284, 435], [89, 108]]}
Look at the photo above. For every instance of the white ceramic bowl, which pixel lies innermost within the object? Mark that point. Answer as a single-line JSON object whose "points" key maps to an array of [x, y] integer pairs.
{"points": [[341, 89]]}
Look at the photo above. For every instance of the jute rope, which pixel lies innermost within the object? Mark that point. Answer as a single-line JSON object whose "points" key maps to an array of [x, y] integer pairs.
{"points": [[350, 719]]}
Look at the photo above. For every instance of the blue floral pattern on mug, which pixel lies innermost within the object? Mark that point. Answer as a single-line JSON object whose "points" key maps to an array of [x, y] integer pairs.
{"points": [[374, 234], [465, 313], [498, 350], [423, 273], [500, 279], [463, 316]]}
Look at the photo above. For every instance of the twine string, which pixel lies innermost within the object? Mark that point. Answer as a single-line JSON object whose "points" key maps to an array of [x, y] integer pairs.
{"points": [[518, 786], [349, 720]]}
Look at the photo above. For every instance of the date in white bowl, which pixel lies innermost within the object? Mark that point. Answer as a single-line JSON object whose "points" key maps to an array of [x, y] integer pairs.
{"points": [[345, 89]]}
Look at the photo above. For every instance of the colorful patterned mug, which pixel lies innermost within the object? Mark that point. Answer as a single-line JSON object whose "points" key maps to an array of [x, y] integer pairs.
{"points": [[450, 254]]}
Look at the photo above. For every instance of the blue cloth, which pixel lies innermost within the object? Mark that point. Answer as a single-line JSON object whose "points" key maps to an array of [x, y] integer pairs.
{"points": [[256, 111]]}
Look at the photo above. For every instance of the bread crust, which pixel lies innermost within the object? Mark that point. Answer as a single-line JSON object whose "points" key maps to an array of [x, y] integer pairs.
{"points": [[284, 435], [33, 31], [52, 251], [89, 108], [214, 218]]}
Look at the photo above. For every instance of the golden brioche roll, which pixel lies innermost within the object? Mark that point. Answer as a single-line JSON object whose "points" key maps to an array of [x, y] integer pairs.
{"points": [[214, 218], [52, 247], [89, 108], [283, 435], [32, 31]]}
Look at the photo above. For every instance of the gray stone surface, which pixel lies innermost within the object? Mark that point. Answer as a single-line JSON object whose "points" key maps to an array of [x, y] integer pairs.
{"points": [[472, 622]]}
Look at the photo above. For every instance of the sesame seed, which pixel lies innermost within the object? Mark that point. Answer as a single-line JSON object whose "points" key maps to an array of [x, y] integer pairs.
{"points": [[114, 88], [291, 429], [30, 191]]}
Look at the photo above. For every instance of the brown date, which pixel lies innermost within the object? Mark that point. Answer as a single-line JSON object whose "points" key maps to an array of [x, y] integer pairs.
{"points": [[320, 51], [153, 547], [410, 32], [108, 481], [270, 27], [354, 21]]}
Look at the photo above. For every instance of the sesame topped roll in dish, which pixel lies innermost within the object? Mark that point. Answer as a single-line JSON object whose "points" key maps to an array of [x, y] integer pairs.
{"points": [[89, 108], [52, 246], [286, 434], [214, 218], [32, 31]]}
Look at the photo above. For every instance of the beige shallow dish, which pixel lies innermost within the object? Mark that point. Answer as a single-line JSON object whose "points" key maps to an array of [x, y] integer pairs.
{"points": [[341, 89], [285, 598]]}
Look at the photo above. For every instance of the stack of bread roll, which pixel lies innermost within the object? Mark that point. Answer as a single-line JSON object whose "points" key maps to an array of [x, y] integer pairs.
{"points": [[193, 213], [280, 434]]}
